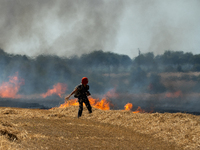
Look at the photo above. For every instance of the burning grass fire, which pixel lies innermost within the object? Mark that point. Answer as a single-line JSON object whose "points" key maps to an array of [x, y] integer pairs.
{"points": [[103, 104], [58, 89], [129, 107], [10, 89]]}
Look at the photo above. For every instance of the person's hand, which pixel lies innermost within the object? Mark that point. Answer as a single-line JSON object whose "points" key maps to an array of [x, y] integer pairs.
{"points": [[67, 97]]}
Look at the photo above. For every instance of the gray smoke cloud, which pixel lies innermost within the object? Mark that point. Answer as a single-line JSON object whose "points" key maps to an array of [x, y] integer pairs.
{"points": [[58, 27], [74, 27], [156, 26]]}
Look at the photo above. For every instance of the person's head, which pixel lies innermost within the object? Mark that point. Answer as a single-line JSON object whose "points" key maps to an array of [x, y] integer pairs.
{"points": [[84, 81]]}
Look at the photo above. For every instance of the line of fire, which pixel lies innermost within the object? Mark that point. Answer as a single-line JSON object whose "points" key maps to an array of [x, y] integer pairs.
{"points": [[9, 92]]}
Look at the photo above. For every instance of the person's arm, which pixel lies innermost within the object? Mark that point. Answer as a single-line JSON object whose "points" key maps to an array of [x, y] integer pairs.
{"points": [[68, 96]]}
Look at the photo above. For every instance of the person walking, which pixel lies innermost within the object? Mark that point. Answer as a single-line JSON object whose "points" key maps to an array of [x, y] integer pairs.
{"points": [[81, 92]]}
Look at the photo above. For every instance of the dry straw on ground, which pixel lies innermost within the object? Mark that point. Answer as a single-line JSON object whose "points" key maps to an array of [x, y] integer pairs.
{"points": [[181, 128]]}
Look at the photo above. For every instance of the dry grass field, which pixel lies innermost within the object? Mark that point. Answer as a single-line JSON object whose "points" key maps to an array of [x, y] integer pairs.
{"points": [[60, 129]]}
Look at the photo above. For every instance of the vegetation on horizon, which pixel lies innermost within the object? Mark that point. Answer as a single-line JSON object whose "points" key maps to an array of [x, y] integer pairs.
{"points": [[43, 72]]}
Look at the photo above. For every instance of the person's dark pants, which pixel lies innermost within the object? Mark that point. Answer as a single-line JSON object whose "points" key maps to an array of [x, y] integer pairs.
{"points": [[87, 103]]}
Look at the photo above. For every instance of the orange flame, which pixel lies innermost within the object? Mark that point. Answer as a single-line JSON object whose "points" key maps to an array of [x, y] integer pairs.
{"points": [[10, 89], [72, 102], [103, 104], [128, 106], [139, 110], [58, 89], [174, 95], [93, 101]]}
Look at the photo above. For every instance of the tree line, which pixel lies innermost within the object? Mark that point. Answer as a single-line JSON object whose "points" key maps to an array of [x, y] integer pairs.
{"points": [[43, 71]]}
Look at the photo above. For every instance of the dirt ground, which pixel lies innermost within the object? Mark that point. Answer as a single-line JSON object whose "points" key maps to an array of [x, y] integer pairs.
{"points": [[60, 129]]}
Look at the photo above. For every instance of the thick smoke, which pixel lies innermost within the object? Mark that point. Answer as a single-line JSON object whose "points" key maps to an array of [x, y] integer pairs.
{"points": [[156, 26], [66, 27], [58, 27]]}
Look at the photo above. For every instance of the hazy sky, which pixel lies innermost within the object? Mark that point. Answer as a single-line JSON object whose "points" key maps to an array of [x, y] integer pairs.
{"points": [[74, 27]]}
